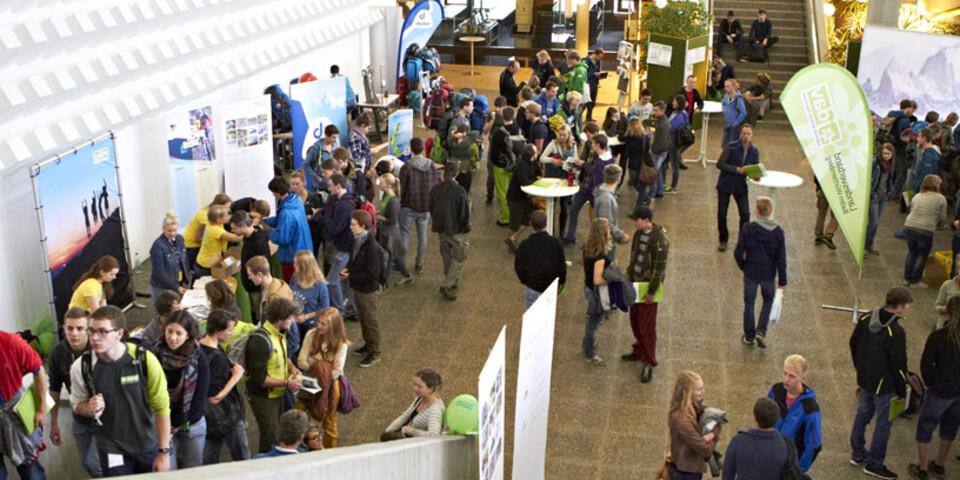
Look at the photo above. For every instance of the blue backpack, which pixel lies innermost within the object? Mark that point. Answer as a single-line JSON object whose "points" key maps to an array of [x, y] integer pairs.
{"points": [[480, 110], [412, 72]]}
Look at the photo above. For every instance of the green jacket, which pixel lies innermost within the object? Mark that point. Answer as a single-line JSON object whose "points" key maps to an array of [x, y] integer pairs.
{"points": [[575, 79]]}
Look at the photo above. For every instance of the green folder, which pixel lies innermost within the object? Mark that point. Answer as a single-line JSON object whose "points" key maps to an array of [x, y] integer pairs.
{"points": [[27, 409], [642, 288], [899, 405], [755, 171], [544, 183]]}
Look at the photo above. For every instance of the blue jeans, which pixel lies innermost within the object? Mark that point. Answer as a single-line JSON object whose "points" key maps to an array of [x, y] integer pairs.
{"points": [[876, 209], [768, 288], [658, 161], [673, 164], [83, 435], [235, 441], [190, 443], [579, 200], [335, 285], [594, 316], [643, 193], [868, 405], [731, 133], [529, 296], [26, 472], [919, 245], [407, 216]]}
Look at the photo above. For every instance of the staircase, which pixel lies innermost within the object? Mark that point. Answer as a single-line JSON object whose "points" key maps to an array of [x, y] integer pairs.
{"points": [[787, 57]]}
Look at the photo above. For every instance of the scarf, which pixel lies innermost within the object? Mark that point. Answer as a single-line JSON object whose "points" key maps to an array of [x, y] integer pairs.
{"points": [[186, 358], [358, 241]]}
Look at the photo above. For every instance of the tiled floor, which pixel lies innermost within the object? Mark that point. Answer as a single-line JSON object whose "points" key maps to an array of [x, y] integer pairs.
{"points": [[605, 424]]}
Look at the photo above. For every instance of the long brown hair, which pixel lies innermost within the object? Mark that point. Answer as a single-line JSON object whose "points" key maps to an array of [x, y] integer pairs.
{"points": [[683, 390], [220, 294], [598, 239], [335, 337], [953, 324], [104, 264]]}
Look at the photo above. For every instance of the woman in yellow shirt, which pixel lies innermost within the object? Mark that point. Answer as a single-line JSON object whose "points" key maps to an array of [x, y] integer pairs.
{"points": [[94, 287], [215, 239], [193, 235]]}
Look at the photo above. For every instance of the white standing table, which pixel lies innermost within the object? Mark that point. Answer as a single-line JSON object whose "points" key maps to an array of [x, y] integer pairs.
{"points": [[708, 108], [550, 189], [775, 180]]}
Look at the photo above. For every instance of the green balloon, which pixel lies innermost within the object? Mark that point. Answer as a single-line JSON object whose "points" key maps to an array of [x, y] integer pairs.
{"points": [[463, 415], [46, 342]]}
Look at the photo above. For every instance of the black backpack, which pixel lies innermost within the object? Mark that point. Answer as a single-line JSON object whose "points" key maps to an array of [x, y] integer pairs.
{"points": [[507, 159], [139, 361], [224, 416], [280, 105], [685, 136]]}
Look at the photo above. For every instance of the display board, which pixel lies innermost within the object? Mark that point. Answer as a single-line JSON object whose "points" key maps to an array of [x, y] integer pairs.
{"points": [[491, 395], [400, 131], [247, 147], [424, 19], [192, 149], [323, 102], [78, 205], [532, 410], [899, 64], [670, 60]]}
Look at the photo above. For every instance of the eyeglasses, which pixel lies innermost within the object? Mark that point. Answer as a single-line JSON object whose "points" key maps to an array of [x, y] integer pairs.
{"points": [[100, 332]]}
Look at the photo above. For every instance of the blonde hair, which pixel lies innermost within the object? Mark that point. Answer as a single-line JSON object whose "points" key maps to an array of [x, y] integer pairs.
{"points": [[571, 142], [216, 212], [390, 181], [170, 218], [543, 55], [796, 364], [307, 272], [298, 174], [765, 206], [683, 389], [634, 128], [574, 96]]}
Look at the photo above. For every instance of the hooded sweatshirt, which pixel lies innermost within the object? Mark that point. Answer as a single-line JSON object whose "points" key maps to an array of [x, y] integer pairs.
{"points": [[290, 230], [928, 164], [417, 177], [762, 252], [878, 346], [605, 206], [755, 455]]}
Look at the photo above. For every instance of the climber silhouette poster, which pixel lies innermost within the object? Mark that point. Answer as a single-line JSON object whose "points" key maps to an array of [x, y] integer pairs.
{"points": [[79, 206]]}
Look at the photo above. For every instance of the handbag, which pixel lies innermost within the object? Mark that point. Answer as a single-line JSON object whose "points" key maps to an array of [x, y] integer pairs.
{"points": [[348, 398], [223, 418], [647, 174]]}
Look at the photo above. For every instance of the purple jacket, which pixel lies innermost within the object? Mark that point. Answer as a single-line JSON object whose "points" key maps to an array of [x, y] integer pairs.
{"points": [[348, 399], [595, 174]]}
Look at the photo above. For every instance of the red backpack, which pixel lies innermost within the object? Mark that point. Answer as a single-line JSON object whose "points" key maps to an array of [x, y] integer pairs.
{"points": [[435, 107], [361, 203]]}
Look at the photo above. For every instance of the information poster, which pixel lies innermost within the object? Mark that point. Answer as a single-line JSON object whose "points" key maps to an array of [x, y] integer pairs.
{"points": [[400, 131], [324, 102], [247, 148], [533, 387], [659, 54], [491, 396], [192, 149]]}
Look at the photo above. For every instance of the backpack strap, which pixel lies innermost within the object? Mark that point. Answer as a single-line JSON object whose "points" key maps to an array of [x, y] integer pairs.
{"points": [[86, 371]]}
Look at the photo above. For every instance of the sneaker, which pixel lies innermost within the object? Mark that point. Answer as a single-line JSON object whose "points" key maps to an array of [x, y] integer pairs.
{"points": [[722, 247], [818, 241], [900, 234], [919, 285], [418, 269], [936, 470], [873, 251], [369, 360], [669, 190], [906, 283], [448, 293], [880, 472], [511, 245], [915, 472], [746, 341], [503, 224], [761, 340], [404, 281], [857, 463], [361, 352], [630, 357], [646, 374], [596, 360], [829, 243]]}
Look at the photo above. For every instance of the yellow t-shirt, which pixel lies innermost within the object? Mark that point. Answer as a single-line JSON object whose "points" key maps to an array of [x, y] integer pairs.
{"points": [[212, 246], [90, 287], [191, 232]]}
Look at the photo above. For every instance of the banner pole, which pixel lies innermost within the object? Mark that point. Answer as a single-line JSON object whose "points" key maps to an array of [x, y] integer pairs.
{"points": [[38, 208], [123, 226]]}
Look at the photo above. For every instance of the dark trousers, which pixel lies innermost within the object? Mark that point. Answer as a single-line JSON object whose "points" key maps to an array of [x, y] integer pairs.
{"points": [[369, 324], [868, 406], [192, 257], [465, 179], [490, 182], [768, 288], [919, 245], [267, 411], [132, 464], [643, 322], [900, 165], [956, 249], [33, 471], [723, 203]]}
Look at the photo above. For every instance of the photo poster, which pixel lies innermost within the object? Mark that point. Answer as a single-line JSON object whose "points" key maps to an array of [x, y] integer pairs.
{"points": [[400, 131], [80, 206], [897, 64], [659, 54], [323, 102], [492, 396], [534, 369], [191, 144], [247, 147]]}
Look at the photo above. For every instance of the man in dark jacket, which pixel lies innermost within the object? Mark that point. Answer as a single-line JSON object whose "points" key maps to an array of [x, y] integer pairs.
{"points": [[508, 86], [761, 33], [731, 32], [761, 254], [694, 100], [417, 177], [662, 143], [902, 120], [594, 75], [762, 452], [540, 260], [733, 181], [648, 263], [363, 272], [255, 243], [450, 209], [335, 225], [878, 347]]}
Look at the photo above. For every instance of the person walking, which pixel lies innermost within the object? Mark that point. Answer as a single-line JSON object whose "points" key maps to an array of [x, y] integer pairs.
{"points": [[688, 448], [940, 368], [540, 259], [678, 120], [660, 146], [450, 210], [879, 184], [762, 452], [732, 181], [878, 347], [648, 263], [596, 257], [417, 177], [605, 202], [799, 412], [761, 254], [928, 212]]}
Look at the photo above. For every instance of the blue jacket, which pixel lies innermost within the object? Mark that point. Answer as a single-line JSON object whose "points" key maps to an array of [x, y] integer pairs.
{"points": [[902, 123], [956, 137], [677, 122], [335, 222], [762, 251], [290, 230], [928, 164], [730, 180], [800, 422], [547, 107], [169, 260], [734, 111]]}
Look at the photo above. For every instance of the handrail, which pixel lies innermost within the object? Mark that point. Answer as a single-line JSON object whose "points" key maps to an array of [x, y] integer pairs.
{"points": [[813, 10]]}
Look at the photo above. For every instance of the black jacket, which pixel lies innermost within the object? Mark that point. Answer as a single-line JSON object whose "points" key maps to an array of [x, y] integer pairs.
{"points": [[539, 260], [508, 87], [256, 244], [697, 102], [761, 251], [637, 150], [543, 72], [727, 28], [524, 173], [366, 261], [449, 208], [879, 350], [940, 365]]}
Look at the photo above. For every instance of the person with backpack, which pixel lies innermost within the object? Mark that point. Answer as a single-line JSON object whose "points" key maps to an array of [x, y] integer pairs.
{"points": [[450, 210], [360, 152], [503, 157], [365, 272], [132, 425], [225, 416], [878, 347], [288, 229], [660, 146], [492, 122], [762, 452], [940, 368], [733, 181], [525, 172], [321, 150], [679, 127], [799, 413], [891, 130], [538, 131], [508, 85], [734, 111]]}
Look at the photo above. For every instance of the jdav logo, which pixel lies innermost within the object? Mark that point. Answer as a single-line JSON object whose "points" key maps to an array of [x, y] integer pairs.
{"points": [[423, 19], [819, 107]]}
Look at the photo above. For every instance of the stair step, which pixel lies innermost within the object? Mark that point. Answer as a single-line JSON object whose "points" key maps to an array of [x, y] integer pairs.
{"points": [[777, 23], [753, 5]]}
